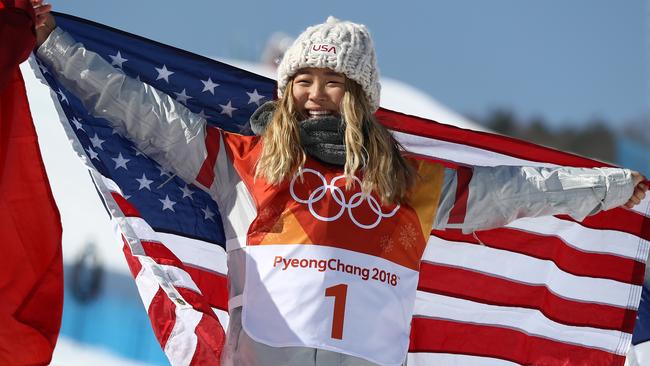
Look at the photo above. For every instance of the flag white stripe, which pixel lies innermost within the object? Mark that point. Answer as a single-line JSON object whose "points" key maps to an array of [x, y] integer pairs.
{"points": [[643, 208], [459, 153], [529, 321], [586, 239], [223, 317], [147, 285], [142, 229], [178, 278], [182, 341], [450, 359], [197, 253], [111, 185]]}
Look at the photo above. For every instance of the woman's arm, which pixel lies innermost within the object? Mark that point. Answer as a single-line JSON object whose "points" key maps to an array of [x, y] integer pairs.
{"points": [[161, 127], [488, 197]]}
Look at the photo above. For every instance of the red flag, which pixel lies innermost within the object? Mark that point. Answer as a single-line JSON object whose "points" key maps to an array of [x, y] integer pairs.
{"points": [[31, 273]]}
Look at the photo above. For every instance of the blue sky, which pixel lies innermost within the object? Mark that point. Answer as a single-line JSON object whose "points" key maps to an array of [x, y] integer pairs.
{"points": [[568, 61]]}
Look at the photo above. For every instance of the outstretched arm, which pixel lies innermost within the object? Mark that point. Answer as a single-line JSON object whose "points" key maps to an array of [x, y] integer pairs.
{"points": [[487, 197], [161, 127]]}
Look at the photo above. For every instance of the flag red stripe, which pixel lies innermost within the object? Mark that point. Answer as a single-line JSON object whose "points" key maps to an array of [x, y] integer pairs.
{"points": [[453, 281], [125, 206], [213, 286], [160, 253], [162, 314], [196, 300], [206, 174], [566, 257], [487, 141], [457, 213], [210, 339], [444, 336], [134, 264]]}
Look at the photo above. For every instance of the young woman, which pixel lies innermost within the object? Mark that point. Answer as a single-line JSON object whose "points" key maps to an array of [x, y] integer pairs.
{"points": [[322, 196]]}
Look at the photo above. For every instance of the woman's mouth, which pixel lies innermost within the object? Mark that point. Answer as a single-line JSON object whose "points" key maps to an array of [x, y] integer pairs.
{"points": [[319, 113]]}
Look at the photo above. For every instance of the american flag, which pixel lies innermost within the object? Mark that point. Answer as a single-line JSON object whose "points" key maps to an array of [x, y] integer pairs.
{"points": [[545, 291]]}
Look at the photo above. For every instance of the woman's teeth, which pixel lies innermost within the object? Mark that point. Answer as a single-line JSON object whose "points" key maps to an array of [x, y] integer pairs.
{"points": [[319, 113]]}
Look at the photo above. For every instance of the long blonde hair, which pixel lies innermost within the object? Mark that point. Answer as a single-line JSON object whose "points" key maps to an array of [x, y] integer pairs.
{"points": [[369, 147]]}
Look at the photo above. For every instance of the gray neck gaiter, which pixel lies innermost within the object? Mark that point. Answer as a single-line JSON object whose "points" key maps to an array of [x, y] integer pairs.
{"points": [[321, 138]]}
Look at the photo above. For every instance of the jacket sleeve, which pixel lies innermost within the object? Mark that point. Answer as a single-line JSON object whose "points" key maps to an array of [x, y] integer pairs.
{"points": [[480, 198], [161, 127]]}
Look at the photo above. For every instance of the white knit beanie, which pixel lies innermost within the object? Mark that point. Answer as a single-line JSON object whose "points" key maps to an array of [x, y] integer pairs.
{"points": [[344, 47]]}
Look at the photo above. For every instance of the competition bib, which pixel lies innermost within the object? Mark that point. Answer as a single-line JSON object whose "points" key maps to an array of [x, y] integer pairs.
{"points": [[329, 298], [332, 268]]}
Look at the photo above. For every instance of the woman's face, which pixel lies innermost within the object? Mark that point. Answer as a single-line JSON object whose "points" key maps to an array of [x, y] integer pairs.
{"points": [[318, 92]]}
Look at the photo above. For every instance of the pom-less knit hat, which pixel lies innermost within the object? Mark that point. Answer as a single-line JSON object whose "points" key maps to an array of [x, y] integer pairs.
{"points": [[344, 47]]}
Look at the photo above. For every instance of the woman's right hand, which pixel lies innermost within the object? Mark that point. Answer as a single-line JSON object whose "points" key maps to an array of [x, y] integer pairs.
{"points": [[640, 189], [45, 22]]}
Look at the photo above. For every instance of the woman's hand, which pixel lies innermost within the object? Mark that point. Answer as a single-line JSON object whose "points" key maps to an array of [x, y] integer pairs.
{"points": [[45, 23], [640, 189]]}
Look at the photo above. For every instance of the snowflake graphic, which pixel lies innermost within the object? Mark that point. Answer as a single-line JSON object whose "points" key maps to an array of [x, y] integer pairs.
{"points": [[386, 244], [268, 220], [407, 236]]}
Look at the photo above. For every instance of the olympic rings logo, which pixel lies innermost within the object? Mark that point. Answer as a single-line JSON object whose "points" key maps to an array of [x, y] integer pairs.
{"points": [[337, 194]]}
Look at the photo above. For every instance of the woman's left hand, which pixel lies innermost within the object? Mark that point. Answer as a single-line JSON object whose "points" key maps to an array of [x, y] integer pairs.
{"points": [[640, 189], [45, 22]]}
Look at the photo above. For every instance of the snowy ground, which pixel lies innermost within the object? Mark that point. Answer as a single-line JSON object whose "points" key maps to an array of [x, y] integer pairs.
{"points": [[70, 353]]}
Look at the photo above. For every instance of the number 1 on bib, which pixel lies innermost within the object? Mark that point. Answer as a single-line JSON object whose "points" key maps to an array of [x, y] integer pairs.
{"points": [[339, 292]]}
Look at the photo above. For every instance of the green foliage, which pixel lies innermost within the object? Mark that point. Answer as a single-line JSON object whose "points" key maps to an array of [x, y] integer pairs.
{"points": [[594, 139]]}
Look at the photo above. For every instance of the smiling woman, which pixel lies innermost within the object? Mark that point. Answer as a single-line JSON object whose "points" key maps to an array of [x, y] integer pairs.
{"points": [[309, 114], [321, 82], [318, 92]]}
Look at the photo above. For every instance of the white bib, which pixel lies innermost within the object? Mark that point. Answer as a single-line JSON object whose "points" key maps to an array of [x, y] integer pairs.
{"points": [[329, 298]]}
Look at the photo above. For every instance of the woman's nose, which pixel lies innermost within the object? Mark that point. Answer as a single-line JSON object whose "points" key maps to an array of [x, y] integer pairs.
{"points": [[317, 91]]}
